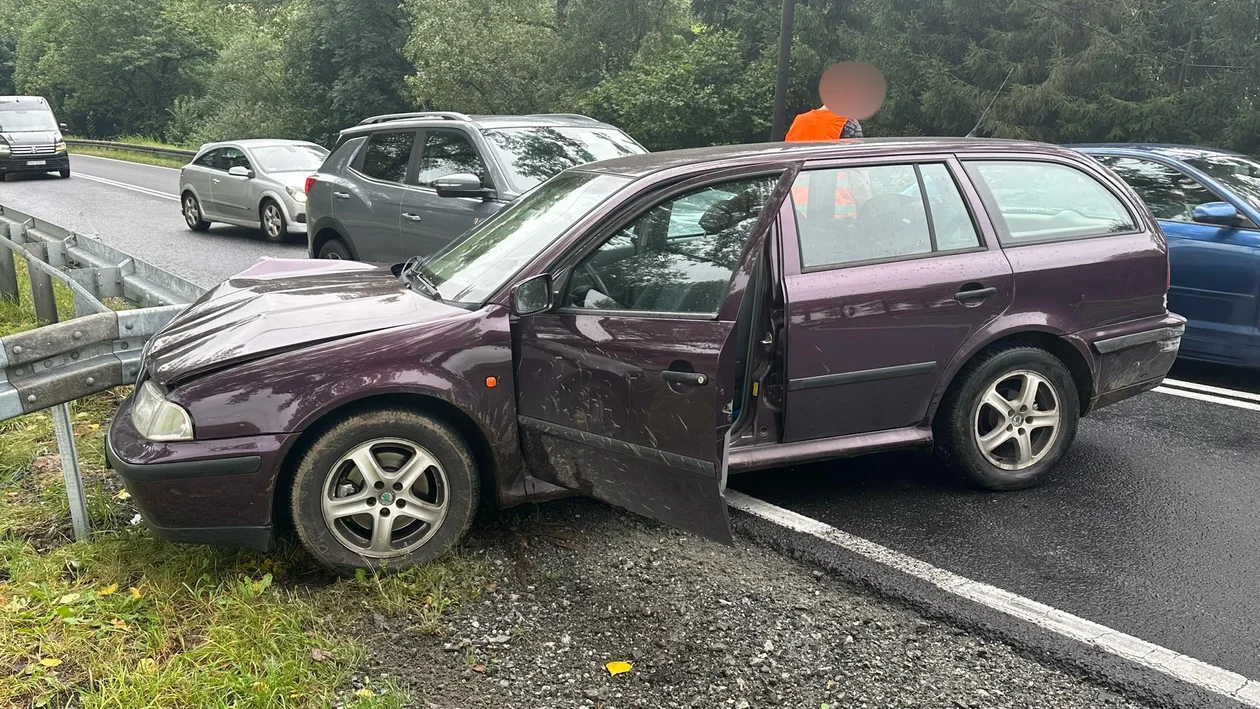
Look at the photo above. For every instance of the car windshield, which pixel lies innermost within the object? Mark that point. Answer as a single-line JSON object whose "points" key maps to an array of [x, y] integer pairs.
{"points": [[21, 121], [532, 155], [1238, 174], [290, 158], [472, 268]]}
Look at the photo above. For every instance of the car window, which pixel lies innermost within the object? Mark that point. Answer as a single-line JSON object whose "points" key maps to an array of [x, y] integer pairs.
{"points": [[387, 155], [1170, 193], [1237, 173], [1043, 201], [532, 154], [448, 152], [290, 158], [233, 157], [210, 159], [859, 214], [677, 257]]}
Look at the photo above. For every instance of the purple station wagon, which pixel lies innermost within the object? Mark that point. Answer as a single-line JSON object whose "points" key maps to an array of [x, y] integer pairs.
{"points": [[637, 329]]}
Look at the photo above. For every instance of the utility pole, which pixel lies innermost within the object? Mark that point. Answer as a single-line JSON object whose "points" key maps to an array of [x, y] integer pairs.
{"points": [[778, 127]]}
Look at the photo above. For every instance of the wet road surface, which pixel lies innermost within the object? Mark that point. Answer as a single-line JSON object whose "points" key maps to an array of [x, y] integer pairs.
{"points": [[135, 208], [1149, 525]]}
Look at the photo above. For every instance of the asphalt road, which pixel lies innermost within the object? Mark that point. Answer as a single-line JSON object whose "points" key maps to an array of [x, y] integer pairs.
{"points": [[136, 208], [1149, 525]]}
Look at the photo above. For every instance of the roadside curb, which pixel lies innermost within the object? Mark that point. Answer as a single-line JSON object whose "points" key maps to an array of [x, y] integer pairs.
{"points": [[1038, 644]]}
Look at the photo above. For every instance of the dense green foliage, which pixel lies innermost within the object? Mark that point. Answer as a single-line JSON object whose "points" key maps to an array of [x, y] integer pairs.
{"points": [[674, 73]]}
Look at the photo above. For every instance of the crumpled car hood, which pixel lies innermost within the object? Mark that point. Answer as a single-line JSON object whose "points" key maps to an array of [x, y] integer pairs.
{"points": [[282, 304]]}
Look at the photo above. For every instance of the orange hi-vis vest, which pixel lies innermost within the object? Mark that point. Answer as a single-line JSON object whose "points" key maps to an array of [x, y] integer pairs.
{"points": [[820, 124]]}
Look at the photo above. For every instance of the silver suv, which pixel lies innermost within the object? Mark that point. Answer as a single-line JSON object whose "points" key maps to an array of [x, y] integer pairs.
{"points": [[407, 184]]}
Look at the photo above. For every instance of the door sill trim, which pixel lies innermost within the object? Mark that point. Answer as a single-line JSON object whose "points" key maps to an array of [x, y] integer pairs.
{"points": [[613, 445], [773, 455]]}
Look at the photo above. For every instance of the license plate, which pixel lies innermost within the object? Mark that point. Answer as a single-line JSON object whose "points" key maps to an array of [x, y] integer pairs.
{"points": [[34, 163]]}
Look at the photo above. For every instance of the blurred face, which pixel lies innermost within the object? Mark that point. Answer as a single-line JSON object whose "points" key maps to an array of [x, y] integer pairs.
{"points": [[852, 89]]}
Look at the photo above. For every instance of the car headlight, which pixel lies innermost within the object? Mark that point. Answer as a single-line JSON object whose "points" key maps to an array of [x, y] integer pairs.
{"points": [[157, 419], [60, 146], [298, 195], [4, 148]]}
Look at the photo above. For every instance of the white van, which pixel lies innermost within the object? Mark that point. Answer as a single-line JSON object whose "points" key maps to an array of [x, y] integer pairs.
{"points": [[30, 138]]}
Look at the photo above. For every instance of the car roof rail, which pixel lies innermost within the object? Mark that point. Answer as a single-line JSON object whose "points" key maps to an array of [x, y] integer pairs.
{"points": [[447, 115], [570, 116]]}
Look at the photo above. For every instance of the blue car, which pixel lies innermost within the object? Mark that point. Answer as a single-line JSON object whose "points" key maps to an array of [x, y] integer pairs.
{"points": [[1208, 204]]}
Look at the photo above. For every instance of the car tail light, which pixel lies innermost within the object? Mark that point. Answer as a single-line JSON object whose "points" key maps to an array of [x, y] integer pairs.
{"points": [[310, 180]]}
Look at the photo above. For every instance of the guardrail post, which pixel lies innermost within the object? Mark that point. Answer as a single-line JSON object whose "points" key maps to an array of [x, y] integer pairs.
{"points": [[64, 428], [8, 272], [42, 293]]}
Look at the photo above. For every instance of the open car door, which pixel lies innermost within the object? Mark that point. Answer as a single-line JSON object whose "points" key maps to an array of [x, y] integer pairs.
{"points": [[626, 386]]}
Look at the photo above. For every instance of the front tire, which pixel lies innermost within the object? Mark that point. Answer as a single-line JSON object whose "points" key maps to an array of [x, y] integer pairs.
{"points": [[1010, 416], [64, 173], [385, 489], [192, 214], [274, 228]]}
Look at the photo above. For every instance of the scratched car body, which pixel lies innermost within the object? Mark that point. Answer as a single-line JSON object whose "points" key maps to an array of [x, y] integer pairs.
{"points": [[637, 329]]}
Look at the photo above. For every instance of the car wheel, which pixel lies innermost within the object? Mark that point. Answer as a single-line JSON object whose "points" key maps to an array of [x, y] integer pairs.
{"points": [[64, 173], [273, 224], [334, 249], [384, 490], [1009, 418], [192, 214]]}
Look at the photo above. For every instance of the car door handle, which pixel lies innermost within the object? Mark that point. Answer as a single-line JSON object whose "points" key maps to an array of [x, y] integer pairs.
{"points": [[215, 181], [411, 217], [692, 378], [972, 292], [341, 195]]}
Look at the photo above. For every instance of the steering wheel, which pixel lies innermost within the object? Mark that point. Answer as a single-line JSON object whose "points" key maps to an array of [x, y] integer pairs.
{"points": [[596, 279]]}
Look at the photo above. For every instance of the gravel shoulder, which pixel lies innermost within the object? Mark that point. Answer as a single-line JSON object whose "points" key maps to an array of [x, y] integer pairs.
{"points": [[577, 585]]}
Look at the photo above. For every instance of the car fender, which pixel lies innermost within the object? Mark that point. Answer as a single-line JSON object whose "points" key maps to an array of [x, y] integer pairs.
{"points": [[327, 223], [187, 187], [273, 195], [1015, 324]]}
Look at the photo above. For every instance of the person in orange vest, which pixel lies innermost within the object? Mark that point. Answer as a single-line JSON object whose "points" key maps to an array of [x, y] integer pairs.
{"points": [[824, 124]]}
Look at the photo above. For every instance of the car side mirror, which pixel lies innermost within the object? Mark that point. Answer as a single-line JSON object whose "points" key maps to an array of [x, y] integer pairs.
{"points": [[64, 128], [532, 296], [1217, 213], [240, 171], [460, 184]]}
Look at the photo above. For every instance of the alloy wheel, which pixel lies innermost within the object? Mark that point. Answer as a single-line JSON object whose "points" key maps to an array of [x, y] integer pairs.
{"points": [[192, 213], [272, 221], [1017, 420], [385, 497]]}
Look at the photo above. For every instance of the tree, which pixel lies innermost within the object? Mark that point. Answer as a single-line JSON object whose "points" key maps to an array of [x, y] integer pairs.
{"points": [[111, 66]]}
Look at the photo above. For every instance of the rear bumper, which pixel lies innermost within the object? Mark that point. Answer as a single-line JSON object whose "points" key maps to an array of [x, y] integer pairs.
{"points": [[21, 163], [209, 492], [1132, 357]]}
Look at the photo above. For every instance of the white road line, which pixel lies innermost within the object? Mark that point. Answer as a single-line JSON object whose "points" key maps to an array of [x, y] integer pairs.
{"points": [[1208, 397], [1141, 652], [125, 162], [133, 188], [1195, 386]]}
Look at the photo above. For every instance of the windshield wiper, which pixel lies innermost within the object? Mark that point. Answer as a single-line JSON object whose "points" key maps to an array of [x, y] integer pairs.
{"points": [[413, 274]]}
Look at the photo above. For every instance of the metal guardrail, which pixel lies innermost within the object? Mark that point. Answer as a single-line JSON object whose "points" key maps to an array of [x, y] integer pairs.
{"points": [[49, 366], [151, 149]]}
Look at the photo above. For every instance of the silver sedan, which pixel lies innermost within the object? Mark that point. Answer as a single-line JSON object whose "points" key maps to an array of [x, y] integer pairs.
{"points": [[258, 184]]}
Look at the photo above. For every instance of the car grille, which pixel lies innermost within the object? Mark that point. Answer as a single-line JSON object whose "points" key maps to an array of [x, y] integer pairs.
{"points": [[33, 149]]}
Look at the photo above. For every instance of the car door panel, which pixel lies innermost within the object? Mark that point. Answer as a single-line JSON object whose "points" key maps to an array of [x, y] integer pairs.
{"points": [[232, 192], [369, 204], [634, 408], [429, 221], [878, 301]]}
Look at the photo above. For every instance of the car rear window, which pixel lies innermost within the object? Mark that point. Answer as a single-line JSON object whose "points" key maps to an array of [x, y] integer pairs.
{"points": [[387, 155], [1044, 201], [534, 154]]}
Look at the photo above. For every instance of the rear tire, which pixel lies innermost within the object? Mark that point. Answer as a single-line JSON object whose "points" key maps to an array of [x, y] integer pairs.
{"points": [[335, 249], [1008, 418], [193, 216], [274, 228], [421, 488]]}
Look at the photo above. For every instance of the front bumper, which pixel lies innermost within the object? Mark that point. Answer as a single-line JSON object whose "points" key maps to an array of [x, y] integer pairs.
{"points": [[209, 492], [22, 163]]}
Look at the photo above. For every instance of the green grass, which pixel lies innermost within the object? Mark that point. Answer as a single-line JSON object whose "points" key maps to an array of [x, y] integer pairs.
{"points": [[128, 620], [133, 156]]}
